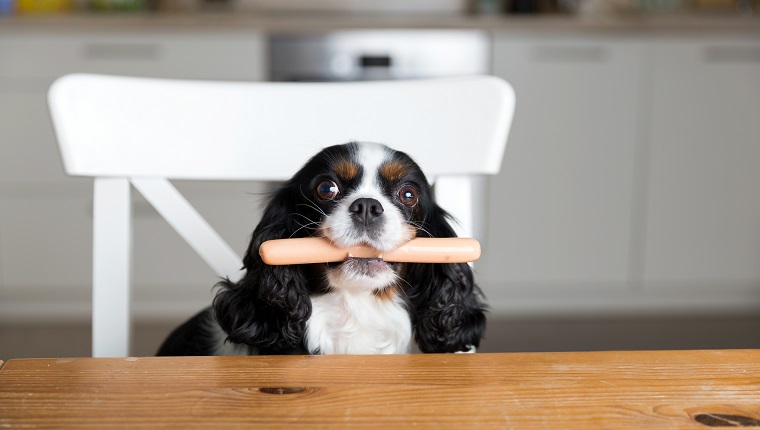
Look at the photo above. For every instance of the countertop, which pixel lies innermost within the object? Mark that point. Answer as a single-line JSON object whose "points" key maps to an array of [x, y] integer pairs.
{"points": [[315, 22]]}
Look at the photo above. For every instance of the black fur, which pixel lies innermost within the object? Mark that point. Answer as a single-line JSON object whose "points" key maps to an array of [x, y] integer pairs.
{"points": [[447, 314], [268, 309]]}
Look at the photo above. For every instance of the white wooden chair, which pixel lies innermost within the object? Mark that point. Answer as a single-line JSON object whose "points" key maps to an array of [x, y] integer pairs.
{"points": [[144, 132]]}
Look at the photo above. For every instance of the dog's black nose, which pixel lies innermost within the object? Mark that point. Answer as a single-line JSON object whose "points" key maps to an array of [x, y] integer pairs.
{"points": [[365, 211]]}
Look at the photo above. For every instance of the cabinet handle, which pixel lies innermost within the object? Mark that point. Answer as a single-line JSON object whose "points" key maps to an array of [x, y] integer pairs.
{"points": [[731, 54], [121, 51], [570, 54]]}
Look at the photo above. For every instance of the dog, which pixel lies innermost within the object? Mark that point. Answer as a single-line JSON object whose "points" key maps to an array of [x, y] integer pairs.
{"points": [[352, 194]]}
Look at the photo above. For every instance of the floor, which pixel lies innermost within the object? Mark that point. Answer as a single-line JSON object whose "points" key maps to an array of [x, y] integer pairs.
{"points": [[503, 335]]}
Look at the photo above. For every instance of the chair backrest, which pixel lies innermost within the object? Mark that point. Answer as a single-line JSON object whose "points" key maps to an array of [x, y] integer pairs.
{"points": [[143, 132]]}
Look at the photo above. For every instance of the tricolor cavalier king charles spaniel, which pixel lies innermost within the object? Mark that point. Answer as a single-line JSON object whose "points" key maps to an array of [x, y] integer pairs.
{"points": [[352, 194]]}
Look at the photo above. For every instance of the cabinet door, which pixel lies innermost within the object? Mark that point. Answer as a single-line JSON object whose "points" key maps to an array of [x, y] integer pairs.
{"points": [[703, 212], [560, 210], [46, 217]]}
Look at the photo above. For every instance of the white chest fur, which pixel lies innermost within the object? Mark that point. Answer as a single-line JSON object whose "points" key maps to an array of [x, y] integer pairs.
{"points": [[346, 322]]}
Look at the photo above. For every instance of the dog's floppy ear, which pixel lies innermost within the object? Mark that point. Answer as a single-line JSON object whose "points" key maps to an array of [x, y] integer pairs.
{"points": [[267, 309], [447, 312]]}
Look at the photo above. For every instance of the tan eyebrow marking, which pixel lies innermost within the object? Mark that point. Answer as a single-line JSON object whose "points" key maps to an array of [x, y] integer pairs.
{"points": [[393, 170], [346, 170]]}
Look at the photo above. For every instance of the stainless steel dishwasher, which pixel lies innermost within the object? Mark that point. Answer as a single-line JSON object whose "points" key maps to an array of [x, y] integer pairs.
{"points": [[377, 55]]}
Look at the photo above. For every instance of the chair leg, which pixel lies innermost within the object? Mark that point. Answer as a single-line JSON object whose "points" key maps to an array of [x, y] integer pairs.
{"points": [[112, 245]]}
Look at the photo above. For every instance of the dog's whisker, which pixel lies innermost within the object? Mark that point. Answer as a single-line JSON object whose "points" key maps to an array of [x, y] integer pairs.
{"points": [[307, 226], [304, 226], [303, 216], [313, 204], [420, 228], [310, 203], [418, 225], [406, 296]]}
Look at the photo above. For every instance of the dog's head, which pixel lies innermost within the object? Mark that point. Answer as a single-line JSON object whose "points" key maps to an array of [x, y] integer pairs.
{"points": [[352, 194], [363, 194]]}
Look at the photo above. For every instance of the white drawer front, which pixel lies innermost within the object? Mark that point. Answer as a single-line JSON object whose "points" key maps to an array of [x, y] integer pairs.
{"points": [[233, 56]]}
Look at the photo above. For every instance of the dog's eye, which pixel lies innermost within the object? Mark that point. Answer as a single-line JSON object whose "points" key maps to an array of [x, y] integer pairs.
{"points": [[408, 195], [327, 190]]}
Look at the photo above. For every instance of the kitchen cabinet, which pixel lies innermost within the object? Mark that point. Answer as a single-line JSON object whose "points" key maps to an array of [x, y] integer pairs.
{"points": [[46, 216], [630, 179], [703, 204], [560, 210]]}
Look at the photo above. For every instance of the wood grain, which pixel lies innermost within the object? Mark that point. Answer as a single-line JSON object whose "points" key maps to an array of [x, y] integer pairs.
{"points": [[665, 389]]}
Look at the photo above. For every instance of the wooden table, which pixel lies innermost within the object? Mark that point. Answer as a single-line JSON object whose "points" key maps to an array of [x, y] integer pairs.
{"points": [[635, 390]]}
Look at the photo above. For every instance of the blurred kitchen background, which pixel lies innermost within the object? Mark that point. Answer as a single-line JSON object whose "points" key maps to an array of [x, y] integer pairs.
{"points": [[626, 216]]}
